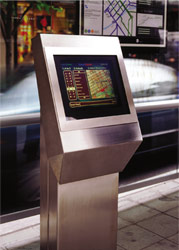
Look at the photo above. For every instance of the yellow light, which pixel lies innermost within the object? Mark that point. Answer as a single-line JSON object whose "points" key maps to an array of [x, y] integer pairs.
{"points": [[60, 13]]}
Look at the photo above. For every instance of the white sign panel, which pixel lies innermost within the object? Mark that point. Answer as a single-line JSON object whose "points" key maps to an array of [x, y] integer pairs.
{"points": [[149, 20], [93, 17]]}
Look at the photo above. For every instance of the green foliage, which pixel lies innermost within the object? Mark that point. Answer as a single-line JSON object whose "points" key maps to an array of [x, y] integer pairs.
{"points": [[42, 5]]}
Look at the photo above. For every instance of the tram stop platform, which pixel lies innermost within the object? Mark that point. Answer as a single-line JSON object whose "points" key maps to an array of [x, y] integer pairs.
{"points": [[147, 219]]}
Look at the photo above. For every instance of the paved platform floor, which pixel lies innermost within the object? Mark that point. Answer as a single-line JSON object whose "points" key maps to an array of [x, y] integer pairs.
{"points": [[147, 219]]}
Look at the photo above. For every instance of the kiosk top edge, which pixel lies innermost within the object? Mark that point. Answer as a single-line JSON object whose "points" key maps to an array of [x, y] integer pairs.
{"points": [[54, 40]]}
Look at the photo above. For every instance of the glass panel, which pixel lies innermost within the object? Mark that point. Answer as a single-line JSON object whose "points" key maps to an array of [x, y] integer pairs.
{"points": [[20, 172], [152, 75]]}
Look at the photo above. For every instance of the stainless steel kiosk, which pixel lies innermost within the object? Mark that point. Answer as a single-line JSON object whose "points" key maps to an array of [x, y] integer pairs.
{"points": [[89, 131]]}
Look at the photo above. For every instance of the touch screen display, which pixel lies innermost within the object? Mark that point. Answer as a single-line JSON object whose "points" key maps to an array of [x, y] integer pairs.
{"points": [[88, 84], [91, 86]]}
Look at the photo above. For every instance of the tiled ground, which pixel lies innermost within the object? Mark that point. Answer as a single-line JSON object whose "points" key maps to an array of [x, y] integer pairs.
{"points": [[147, 219]]}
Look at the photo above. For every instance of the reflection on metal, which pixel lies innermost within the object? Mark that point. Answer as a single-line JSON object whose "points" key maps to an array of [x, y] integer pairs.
{"points": [[158, 105], [34, 118], [19, 215], [80, 158], [144, 182], [161, 133], [15, 120]]}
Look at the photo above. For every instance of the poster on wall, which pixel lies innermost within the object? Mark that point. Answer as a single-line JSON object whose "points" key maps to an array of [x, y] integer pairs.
{"points": [[135, 22], [93, 17]]}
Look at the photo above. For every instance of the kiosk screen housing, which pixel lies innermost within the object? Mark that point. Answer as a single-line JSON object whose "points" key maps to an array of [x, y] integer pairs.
{"points": [[91, 86]]}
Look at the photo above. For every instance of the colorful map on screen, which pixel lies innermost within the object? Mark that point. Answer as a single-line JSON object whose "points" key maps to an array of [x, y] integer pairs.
{"points": [[100, 84], [88, 84]]}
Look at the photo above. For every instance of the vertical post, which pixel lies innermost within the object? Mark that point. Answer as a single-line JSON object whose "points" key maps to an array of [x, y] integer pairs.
{"points": [[83, 214]]}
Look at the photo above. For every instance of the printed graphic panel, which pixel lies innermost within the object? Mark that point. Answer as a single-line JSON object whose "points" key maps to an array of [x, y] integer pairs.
{"points": [[135, 22]]}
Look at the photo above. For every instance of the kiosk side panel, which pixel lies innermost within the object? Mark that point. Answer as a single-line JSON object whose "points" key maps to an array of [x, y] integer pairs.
{"points": [[88, 214], [48, 117], [86, 164], [44, 193]]}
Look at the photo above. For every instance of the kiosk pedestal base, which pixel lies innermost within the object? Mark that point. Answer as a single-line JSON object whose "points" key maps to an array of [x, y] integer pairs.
{"points": [[91, 132], [84, 214], [80, 215]]}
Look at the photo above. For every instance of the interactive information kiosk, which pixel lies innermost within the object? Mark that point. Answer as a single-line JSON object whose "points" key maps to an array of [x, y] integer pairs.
{"points": [[89, 131]]}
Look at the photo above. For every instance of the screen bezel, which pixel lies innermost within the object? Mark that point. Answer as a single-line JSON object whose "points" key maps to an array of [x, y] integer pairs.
{"points": [[121, 107], [66, 124]]}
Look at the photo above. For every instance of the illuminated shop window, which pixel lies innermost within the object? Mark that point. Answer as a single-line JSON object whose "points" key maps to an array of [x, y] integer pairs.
{"points": [[55, 18]]}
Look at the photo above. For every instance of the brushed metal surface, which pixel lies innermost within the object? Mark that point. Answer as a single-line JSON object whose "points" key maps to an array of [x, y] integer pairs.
{"points": [[54, 40], [95, 162], [83, 157], [85, 139], [44, 192], [75, 124], [86, 214], [48, 115], [52, 110], [49, 85], [158, 105], [53, 216]]}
